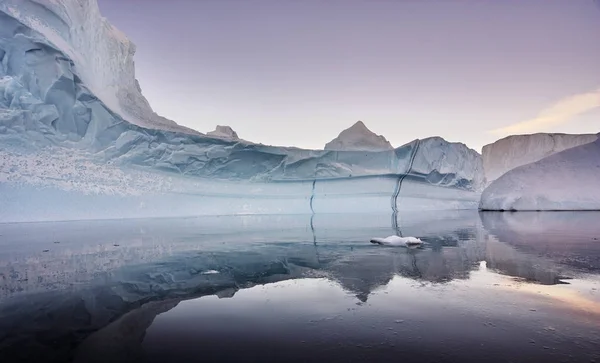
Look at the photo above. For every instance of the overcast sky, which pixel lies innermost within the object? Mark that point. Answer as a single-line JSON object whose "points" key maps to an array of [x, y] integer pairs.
{"points": [[298, 72]]}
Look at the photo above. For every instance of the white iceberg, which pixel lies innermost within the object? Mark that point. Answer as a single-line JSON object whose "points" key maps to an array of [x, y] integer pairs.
{"points": [[78, 140], [567, 180], [516, 150]]}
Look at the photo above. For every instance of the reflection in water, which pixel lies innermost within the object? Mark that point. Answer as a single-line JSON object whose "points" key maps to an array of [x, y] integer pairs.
{"points": [[570, 238], [101, 284]]}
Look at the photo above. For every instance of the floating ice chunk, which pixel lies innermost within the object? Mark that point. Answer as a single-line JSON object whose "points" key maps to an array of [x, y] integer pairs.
{"points": [[397, 241]]}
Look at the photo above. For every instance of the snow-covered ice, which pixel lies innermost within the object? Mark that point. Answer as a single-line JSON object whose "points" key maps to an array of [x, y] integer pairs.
{"points": [[514, 151], [568, 180]]}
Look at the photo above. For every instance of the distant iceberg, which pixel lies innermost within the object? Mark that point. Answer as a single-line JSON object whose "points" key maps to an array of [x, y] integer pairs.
{"points": [[358, 138], [568, 180], [224, 132], [516, 150]]}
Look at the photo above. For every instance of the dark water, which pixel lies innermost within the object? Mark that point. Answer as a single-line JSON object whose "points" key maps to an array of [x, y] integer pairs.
{"points": [[494, 287]]}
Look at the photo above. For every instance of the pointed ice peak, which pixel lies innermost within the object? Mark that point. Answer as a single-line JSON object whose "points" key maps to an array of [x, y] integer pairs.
{"points": [[224, 132], [359, 138], [359, 125]]}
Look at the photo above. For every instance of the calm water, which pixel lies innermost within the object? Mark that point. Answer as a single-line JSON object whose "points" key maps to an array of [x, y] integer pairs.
{"points": [[494, 287]]}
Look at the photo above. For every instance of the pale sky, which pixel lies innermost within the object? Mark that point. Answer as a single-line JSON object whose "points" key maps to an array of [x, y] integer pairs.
{"points": [[296, 73]]}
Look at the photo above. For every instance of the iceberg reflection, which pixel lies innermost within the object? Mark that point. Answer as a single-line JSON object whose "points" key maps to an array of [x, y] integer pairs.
{"points": [[127, 272]]}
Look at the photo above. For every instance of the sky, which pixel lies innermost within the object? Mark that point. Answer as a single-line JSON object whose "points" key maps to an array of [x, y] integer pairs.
{"points": [[296, 73]]}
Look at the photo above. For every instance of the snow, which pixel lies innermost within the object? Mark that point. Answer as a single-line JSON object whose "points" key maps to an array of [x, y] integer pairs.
{"points": [[514, 151], [567, 180], [76, 131], [358, 137]]}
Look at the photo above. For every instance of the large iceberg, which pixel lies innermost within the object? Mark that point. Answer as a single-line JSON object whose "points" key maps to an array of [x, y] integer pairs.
{"points": [[78, 140], [567, 180], [516, 150]]}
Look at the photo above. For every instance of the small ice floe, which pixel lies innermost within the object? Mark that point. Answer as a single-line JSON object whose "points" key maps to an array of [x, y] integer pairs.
{"points": [[397, 241], [210, 272]]}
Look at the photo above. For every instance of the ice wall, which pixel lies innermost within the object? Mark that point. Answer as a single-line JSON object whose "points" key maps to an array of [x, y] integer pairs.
{"points": [[181, 198], [514, 151]]}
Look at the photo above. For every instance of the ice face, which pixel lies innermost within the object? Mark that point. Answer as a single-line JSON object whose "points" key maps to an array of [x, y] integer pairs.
{"points": [[514, 151], [163, 196], [567, 180], [75, 131]]}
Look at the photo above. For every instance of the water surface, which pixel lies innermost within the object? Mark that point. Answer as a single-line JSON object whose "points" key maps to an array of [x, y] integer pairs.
{"points": [[485, 287]]}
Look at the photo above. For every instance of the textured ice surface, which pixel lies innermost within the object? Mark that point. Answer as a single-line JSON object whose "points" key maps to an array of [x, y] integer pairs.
{"points": [[358, 137], [567, 180], [514, 151], [77, 136], [66, 37]]}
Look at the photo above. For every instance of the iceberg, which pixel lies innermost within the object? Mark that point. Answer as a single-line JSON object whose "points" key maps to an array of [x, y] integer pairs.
{"points": [[567, 180], [78, 140], [516, 150]]}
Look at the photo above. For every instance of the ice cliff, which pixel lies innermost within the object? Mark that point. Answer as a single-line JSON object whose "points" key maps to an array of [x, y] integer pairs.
{"points": [[68, 43], [514, 151], [76, 131], [358, 137], [567, 180]]}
